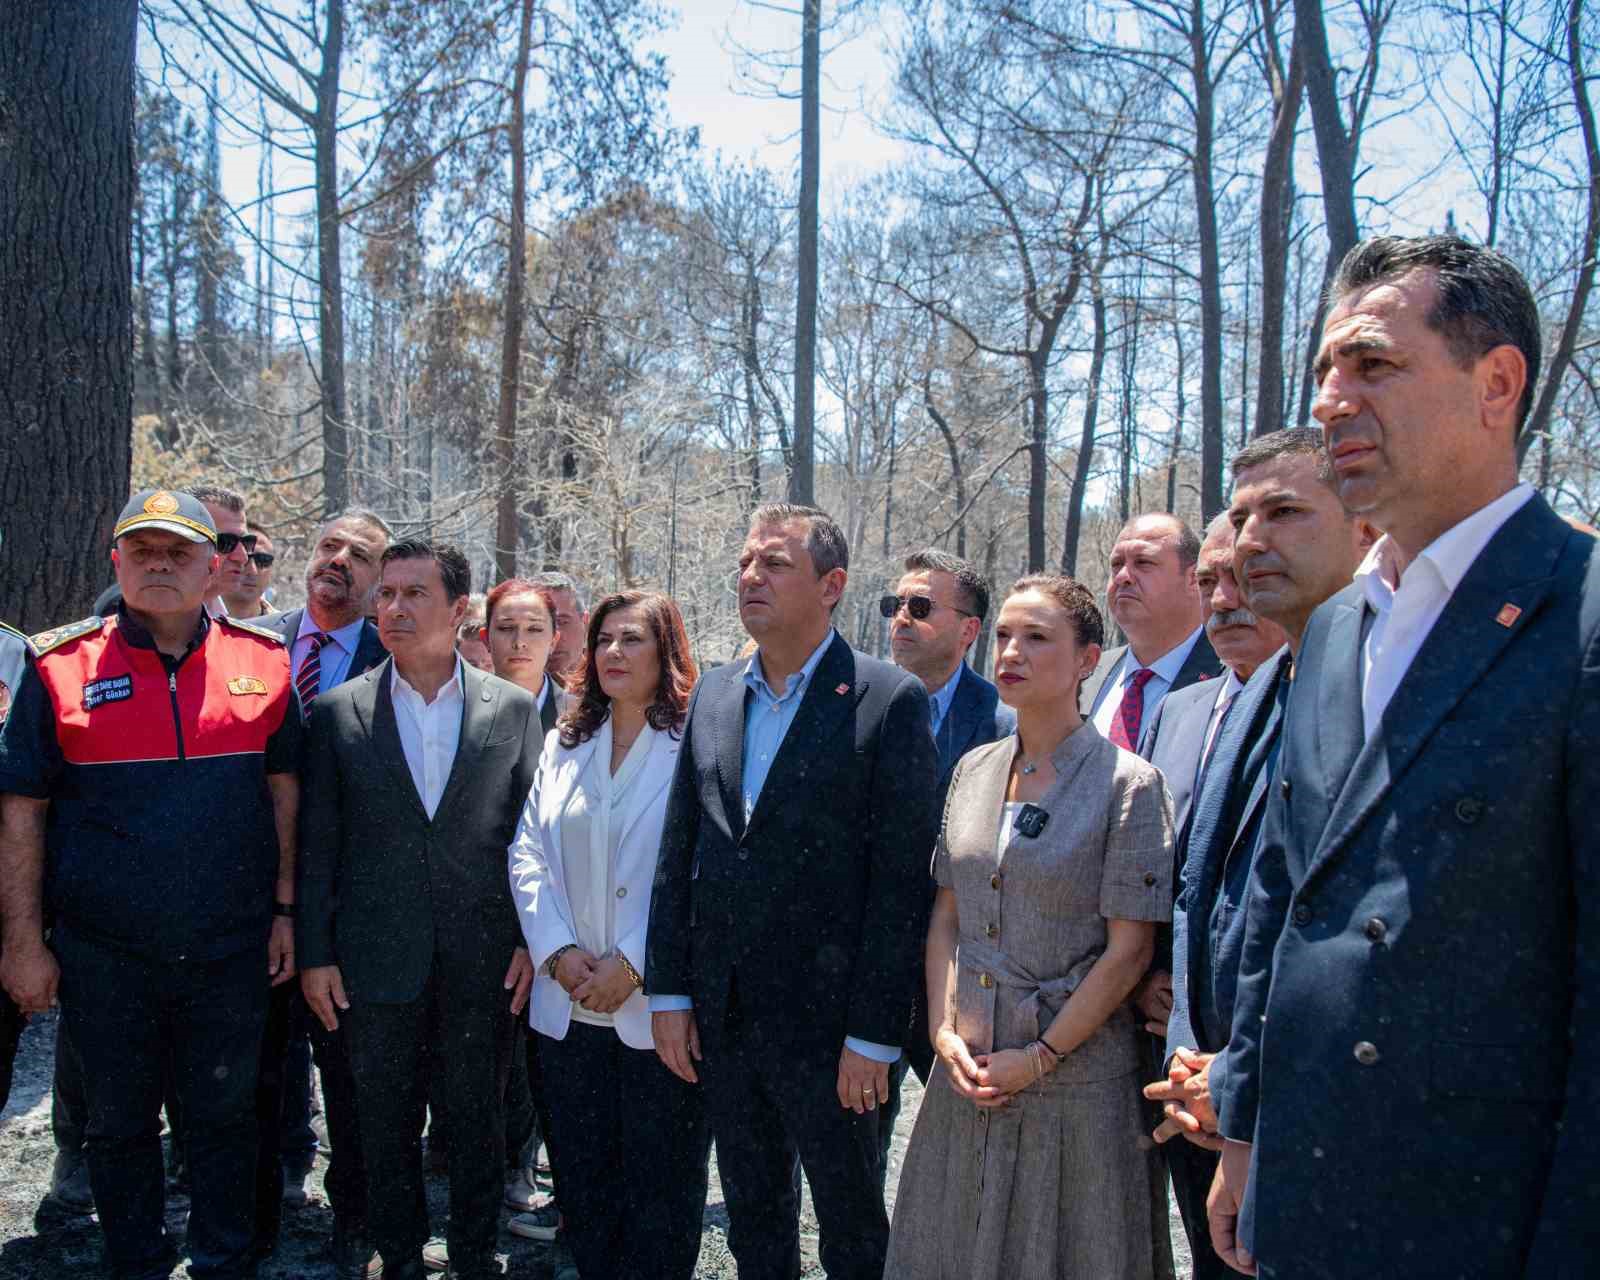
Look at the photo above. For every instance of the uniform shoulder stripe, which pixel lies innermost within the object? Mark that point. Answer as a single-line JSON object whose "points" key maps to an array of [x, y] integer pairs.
{"points": [[55, 637], [266, 633]]}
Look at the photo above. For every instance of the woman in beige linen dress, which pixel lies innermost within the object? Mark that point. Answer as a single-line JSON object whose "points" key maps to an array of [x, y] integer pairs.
{"points": [[1025, 1163]]}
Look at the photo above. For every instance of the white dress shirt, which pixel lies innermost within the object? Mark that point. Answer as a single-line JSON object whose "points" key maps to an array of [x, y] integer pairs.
{"points": [[1164, 670], [430, 732], [1219, 708], [1407, 605]]}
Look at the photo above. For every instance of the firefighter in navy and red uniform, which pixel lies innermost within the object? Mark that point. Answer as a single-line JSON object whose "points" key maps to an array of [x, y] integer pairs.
{"points": [[161, 857], [13, 657]]}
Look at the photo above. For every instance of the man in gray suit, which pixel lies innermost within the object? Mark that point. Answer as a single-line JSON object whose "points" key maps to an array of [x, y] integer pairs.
{"points": [[415, 776]]}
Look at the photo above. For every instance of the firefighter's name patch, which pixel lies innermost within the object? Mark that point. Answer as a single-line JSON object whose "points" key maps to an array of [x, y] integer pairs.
{"points": [[111, 689]]}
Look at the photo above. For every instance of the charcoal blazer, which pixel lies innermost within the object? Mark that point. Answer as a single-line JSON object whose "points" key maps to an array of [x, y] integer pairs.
{"points": [[1177, 739], [1419, 989], [812, 911], [382, 889]]}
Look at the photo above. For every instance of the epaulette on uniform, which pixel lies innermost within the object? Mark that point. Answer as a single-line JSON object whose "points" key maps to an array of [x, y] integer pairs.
{"points": [[266, 633], [55, 637]]}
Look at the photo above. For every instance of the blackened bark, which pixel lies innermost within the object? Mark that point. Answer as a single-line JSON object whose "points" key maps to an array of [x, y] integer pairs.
{"points": [[507, 524], [66, 307], [330, 311], [801, 479], [1277, 215]]}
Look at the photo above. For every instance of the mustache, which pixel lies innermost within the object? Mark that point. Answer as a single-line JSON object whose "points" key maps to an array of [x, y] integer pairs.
{"points": [[1240, 617]]}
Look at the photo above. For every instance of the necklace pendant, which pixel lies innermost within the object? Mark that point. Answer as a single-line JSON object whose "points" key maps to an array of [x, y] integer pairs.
{"points": [[1029, 768]]}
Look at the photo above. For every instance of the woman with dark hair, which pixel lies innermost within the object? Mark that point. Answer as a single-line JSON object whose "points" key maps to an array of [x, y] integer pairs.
{"points": [[1054, 865], [631, 1142]]}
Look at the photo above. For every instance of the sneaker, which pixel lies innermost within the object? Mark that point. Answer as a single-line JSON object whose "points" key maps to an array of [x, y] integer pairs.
{"points": [[436, 1255], [69, 1183], [543, 1223], [522, 1190]]}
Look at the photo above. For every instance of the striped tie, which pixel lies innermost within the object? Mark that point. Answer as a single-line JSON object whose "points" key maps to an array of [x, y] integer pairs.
{"points": [[309, 681]]}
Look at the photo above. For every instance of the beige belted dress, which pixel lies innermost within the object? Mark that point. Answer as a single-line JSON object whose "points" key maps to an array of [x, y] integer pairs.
{"points": [[1054, 1184]]}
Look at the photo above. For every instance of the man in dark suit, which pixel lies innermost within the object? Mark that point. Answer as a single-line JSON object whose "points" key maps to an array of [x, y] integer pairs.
{"points": [[1287, 533], [1418, 999], [937, 612], [416, 772], [791, 884], [1151, 595], [330, 641]]}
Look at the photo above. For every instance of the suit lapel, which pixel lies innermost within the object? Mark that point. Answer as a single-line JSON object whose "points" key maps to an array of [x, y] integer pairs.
{"points": [[480, 703], [1096, 684], [653, 778], [369, 651], [831, 695], [551, 711], [962, 721], [375, 706], [728, 731], [1514, 568]]}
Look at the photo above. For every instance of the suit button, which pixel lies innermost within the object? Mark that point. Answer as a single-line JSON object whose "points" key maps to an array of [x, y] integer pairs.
{"points": [[1285, 788], [1366, 1053], [744, 855], [1375, 929], [994, 882], [1302, 914], [622, 892], [1149, 879], [985, 981], [1469, 809], [991, 931]]}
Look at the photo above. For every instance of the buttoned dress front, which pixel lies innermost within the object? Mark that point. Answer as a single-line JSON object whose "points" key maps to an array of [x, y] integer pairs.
{"points": [[1055, 1183]]}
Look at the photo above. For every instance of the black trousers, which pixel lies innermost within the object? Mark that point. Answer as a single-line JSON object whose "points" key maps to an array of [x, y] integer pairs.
{"points": [[12, 1020], [344, 1181], [634, 1156], [125, 1014], [773, 1111], [540, 1096], [389, 1057]]}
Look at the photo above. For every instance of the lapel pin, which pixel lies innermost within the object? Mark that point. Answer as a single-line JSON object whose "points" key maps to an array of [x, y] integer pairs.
{"points": [[1508, 615], [842, 689]]}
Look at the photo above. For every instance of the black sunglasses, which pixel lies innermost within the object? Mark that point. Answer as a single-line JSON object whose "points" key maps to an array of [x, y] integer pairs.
{"points": [[919, 607], [226, 542], [262, 559]]}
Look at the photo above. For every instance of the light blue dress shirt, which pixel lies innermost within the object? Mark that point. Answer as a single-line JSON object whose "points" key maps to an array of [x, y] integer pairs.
{"points": [[767, 718], [940, 701], [336, 653]]}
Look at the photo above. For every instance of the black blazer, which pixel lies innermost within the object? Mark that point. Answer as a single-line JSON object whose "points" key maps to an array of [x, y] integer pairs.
{"points": [[1201, 664], [369, 649], [1419, 991], [976, 716], [381, 887], [813, 911]]}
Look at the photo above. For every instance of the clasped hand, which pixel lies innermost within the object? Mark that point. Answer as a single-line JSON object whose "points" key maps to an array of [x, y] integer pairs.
{"points": [[985, 1080], [600, 986], [1186, 1098]]}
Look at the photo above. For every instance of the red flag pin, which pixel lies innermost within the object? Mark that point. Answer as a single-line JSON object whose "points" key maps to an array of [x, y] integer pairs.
{"points": [[842, 689], [1508, 614]]}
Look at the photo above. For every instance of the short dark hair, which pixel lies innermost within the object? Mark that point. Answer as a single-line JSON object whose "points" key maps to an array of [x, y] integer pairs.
{"points": [[1187, 540], [1071, 595], [1483, 299], [219, 496], [363, 516], [970, 583], [825, 540], [1293, 441], [454, 570]]}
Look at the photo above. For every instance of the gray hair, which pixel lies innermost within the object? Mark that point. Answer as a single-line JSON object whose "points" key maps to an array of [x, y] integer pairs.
{"points": [[970, 583], [825, 540], [363, 515], [555, 580]]}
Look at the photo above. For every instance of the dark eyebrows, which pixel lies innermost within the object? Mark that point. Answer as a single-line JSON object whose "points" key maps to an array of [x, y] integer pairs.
{"points": [[1352, 347]]}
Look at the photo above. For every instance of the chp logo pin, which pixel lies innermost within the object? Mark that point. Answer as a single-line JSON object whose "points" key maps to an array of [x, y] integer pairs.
{"points": [[1508, 615], [842, 689]]}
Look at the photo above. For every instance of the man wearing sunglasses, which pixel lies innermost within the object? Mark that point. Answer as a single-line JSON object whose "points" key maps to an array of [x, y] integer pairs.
{"points": [[250, 600], [935, 616], [235, 543]]}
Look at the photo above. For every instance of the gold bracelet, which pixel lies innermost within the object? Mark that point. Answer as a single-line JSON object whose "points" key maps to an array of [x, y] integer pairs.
{"points": [[633, 974]]}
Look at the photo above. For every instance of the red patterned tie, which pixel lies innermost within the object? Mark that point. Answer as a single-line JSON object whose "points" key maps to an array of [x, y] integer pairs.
{"points": [[309, 681], [1125, 724]]}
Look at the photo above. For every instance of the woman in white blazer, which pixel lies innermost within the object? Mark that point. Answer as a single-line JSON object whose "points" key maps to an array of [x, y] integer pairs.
{"points": [[630, 1142]]}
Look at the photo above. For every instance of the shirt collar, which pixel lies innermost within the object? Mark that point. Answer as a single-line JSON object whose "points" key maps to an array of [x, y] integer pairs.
{"points": [[1230, 686], [544, 694], [346, 637], [454, 683], [1167, 666], [1448, 556], [138, 635], [755, 678], [946, 693]]}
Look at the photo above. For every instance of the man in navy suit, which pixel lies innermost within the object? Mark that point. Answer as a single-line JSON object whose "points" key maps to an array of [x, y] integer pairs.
{"points": [[1406, 1085], [788, 897], [937, 613], [330, 641], [1286, 535]]}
